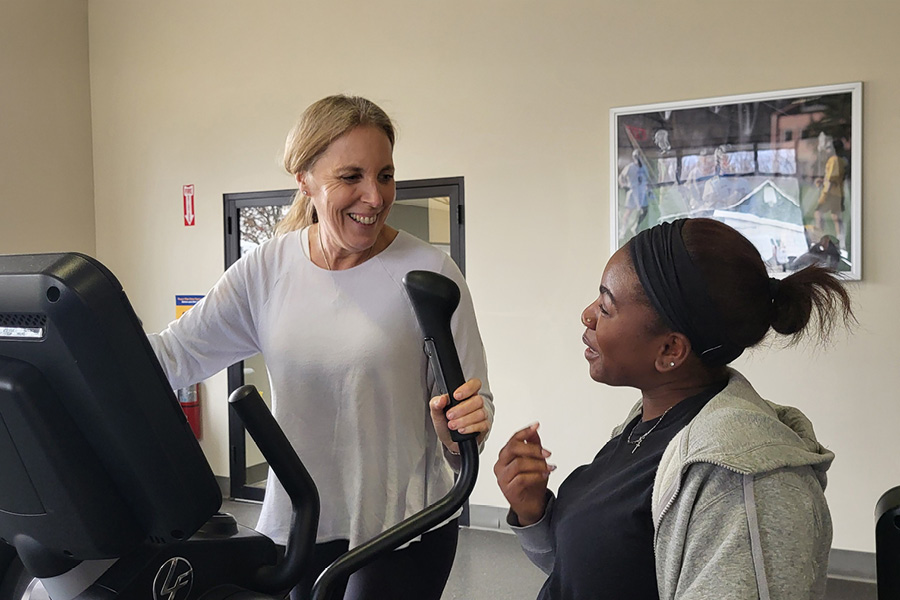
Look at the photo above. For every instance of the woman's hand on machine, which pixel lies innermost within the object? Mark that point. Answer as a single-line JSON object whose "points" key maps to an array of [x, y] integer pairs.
{"points": [[522, 472], [468, 416]]}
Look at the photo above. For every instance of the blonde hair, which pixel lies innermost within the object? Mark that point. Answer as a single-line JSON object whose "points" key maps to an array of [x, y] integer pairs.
{"points": [[320, 124]]}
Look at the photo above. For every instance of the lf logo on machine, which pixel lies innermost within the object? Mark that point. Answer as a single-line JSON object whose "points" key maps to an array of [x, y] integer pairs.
{"points": [[174, 579]]}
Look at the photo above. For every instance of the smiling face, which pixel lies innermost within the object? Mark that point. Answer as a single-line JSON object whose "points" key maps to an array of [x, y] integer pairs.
{"points": [[352, 188], [623, 335]]}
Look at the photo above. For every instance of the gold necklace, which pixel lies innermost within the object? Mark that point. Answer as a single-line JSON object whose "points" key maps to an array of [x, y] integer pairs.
{"points": [[322, 247], [366, 257], [637, 442]]}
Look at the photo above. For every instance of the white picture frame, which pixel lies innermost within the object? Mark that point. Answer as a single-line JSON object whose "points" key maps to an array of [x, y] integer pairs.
{"points": [[782, 167]]}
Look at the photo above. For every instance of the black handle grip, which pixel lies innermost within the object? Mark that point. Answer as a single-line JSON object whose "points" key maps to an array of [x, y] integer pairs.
{"points": [[298, 484], [434, 299], [887, 544]]}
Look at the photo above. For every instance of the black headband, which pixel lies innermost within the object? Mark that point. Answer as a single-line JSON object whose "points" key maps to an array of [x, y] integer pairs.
{"points": [[678, 291]]}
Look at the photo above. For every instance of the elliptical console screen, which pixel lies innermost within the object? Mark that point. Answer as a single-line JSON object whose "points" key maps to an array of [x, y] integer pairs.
{"points": [[96, 455]]}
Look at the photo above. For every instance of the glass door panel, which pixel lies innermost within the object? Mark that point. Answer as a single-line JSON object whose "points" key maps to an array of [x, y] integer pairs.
{"points": [[426, 218], [256, 468], [257, 224]]}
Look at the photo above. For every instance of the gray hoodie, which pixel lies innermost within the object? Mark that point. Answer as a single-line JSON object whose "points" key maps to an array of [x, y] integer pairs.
{"points": [[738, 504]]}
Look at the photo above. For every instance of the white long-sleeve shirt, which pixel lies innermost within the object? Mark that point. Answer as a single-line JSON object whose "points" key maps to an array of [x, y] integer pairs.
{"points": [[350, 381]]}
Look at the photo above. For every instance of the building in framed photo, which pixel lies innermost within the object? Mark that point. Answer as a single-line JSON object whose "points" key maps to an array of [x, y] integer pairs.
{"points": [[782, 167]]}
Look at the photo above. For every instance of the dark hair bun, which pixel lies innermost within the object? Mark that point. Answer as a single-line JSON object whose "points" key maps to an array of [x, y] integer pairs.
{"points": [[791, 307], [813, 289]]}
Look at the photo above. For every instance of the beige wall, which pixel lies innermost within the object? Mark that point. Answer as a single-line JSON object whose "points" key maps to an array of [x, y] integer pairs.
{"points": [[46, 178], [515, 96]]}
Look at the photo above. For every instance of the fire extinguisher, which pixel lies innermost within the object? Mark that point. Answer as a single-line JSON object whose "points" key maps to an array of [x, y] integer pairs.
{"points": [[189, 398]]}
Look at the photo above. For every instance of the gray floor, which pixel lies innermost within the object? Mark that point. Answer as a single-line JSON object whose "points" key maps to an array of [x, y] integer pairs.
{"points": [[490, 565]]}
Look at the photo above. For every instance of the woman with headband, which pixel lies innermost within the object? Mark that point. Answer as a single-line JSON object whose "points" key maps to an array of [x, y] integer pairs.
{"points": [[706, 490]]}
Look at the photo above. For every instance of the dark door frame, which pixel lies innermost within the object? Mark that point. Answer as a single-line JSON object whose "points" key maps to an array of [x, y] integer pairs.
{"points": [[237, 444], [451, 187]]}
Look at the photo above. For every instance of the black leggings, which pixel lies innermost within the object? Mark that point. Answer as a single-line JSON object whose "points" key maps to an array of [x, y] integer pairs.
{"points": [[417, 572]]}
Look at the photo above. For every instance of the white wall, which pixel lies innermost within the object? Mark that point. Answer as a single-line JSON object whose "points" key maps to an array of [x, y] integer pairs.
{"points": [[514, 95], [46, 177]]}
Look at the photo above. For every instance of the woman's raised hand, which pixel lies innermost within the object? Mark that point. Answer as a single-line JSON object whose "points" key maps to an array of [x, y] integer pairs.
{"points": [[522, 471]]}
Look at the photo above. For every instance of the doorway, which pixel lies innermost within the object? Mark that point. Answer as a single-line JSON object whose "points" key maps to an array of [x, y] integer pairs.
{"points": [[430, 209]]}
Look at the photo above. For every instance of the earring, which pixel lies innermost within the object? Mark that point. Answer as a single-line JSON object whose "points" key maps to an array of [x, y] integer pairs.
{"points": [[304, 192], [671, 364]]}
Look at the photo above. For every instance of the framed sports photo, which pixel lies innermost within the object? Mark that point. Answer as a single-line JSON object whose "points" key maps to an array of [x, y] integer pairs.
{"points": [[783, 168]]}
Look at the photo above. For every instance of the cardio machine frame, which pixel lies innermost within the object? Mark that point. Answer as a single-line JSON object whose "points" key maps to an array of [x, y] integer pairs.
{"points": [[84, 369]]}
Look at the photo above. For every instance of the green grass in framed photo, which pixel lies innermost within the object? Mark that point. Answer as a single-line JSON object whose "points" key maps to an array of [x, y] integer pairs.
{"points": [[783, 168]]}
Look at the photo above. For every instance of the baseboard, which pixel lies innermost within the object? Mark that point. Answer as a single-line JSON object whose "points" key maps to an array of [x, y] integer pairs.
{"points": [[224, 485], [842, 564], [851, 564], [257, 473], [488, 517]]}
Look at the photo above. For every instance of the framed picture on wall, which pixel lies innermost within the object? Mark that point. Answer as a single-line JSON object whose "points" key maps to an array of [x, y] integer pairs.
{"points": [[783, 168]]}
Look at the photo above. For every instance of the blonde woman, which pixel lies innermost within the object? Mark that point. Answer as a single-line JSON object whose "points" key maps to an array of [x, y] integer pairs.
{"points": [[323, 302]]}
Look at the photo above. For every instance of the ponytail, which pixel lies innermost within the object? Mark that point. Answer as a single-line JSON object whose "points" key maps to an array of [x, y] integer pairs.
{"points": [[811, 290], [302, 213]]}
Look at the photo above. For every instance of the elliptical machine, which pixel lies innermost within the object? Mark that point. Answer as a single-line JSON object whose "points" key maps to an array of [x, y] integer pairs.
{"points": [[105, 492], [887, 544]]}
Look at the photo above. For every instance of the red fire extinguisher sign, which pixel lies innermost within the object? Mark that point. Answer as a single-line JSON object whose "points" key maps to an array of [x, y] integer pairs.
{"points": [[187, 193]]}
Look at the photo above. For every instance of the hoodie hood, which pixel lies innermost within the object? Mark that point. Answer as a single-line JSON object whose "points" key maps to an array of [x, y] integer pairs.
{"points": [[740, 431]]}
